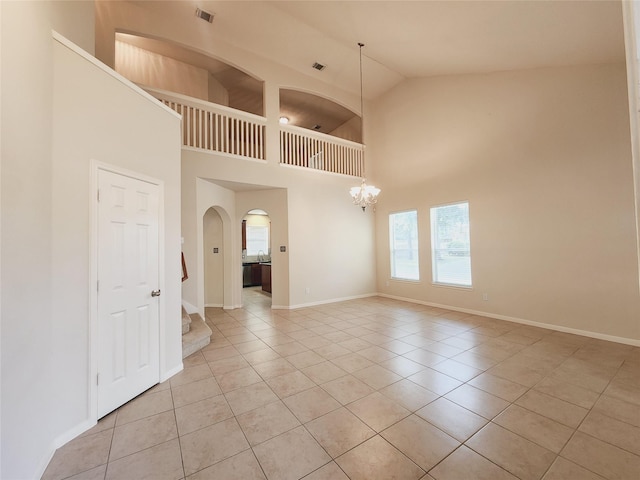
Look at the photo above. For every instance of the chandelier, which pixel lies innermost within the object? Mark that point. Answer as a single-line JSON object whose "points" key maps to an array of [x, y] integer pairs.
{"points": [[364, 195]]}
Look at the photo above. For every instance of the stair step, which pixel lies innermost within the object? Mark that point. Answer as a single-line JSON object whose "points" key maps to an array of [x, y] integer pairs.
{"points": [[186, 321], [199, 336]]}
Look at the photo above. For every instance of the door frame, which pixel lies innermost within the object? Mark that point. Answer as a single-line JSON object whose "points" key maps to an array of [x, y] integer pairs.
{"points": [[95, 167]]}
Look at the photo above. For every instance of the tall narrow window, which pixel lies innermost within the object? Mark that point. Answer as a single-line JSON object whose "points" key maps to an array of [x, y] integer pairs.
{"points": [[450, 253], [403, 242]]}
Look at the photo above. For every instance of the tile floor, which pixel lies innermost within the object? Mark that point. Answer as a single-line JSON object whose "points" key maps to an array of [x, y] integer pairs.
{"points": [[375, 389]]}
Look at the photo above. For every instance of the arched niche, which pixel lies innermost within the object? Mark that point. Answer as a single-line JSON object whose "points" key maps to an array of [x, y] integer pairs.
{"points": [[165, 65], [320, 114], [213, 256], [216, 267]]}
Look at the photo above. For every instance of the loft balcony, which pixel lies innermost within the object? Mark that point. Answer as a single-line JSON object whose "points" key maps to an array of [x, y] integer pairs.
{"points": [[222, 130]]}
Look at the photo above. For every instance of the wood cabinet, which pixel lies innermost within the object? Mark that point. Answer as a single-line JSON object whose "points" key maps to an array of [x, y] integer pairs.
{"points": [[256, 274], [266, 278]]}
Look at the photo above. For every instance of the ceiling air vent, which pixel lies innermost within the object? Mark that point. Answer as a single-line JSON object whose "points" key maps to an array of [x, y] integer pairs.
{"points": [[204, 15], [319, 66]]}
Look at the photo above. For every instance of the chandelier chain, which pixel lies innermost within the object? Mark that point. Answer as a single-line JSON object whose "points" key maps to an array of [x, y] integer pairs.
{"points": [[362, 112], [364, 195]]}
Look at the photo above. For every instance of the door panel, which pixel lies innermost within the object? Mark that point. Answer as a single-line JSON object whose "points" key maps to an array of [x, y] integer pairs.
{"points": [[128, 266]]}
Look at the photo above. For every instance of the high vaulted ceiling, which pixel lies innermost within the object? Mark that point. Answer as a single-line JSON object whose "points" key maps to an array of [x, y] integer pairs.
{"points": [[407, 39]]}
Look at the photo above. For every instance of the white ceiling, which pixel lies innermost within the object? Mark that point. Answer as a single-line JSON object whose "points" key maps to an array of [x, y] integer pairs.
{"points": [[414, 38]]}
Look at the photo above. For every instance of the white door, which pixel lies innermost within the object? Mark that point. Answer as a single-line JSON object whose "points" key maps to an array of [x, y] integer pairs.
{"points": [[128, 289]]}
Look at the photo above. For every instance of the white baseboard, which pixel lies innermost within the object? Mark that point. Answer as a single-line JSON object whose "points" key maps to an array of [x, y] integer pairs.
{"points": [[74, 432], [322, 302], [45, 461], [170, 373], [82, 427], [550, 326], [231, 307], [62, 439], [213, 305], [189, 308]]}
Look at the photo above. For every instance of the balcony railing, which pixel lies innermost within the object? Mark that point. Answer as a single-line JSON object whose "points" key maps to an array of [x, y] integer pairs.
{"points": [[303, 148], [216, 128]]}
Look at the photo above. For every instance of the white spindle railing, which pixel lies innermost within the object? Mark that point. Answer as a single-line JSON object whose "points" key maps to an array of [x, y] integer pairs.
{"points": [[216, 128], [304, 148]]}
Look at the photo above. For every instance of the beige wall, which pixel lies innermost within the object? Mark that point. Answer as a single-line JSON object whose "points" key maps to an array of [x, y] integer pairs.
{"points": [[275, 202], [29, 392], [148, 144], [59, 112], [349, 130], [199, 197], [330, 242], [543, 157], [157, 71], [216, 92], [212, 233], [631, 18]]}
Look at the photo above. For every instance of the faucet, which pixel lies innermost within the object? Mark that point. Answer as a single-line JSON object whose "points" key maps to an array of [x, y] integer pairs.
{"points": [[260, 256]]}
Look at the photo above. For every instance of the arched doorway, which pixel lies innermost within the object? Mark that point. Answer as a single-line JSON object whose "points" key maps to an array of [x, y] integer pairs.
{"points": [[256, 259]]}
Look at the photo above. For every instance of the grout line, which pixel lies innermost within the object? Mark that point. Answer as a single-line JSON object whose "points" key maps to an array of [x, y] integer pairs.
{"points": [[381, 318]]}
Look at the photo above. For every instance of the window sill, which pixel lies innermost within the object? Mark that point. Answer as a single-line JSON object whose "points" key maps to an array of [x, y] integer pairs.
{"points": [[452, 285], [404, 280]]}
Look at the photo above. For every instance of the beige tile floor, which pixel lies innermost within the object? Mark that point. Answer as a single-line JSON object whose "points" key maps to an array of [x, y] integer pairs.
{"points": [[375, 389]]}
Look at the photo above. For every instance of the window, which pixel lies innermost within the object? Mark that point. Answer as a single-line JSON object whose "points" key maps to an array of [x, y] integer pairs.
{"points": [[403, 243], [450, 251], [257, 240]]}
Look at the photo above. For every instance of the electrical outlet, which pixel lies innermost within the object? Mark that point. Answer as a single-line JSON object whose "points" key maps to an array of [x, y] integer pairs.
{"points": [[307, 290], [485, 297]]}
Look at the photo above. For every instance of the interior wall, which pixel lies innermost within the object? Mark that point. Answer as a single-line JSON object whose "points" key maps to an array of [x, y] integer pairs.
{"points": [[544, 159], [275, 203], [213, 261], [148, 144], [112, 17], [28, 343], [330, 246], [199, 196], [216, 92], [157, 71], [232, 206], [349, 130], [631, 18], [330, 241]]}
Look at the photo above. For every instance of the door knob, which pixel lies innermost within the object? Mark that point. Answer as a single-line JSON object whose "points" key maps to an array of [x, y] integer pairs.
{"points": [[155, 293]]}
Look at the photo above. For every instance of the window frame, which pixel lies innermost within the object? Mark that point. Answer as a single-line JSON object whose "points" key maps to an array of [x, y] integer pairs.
{"points": [[435, 240], [392, 248], [268, 240]]}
